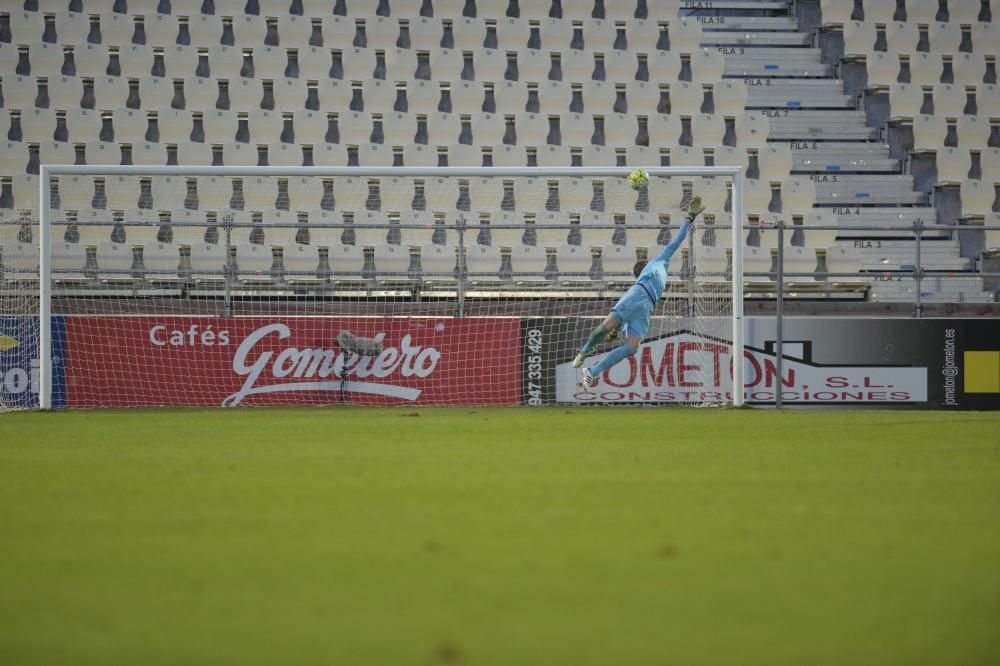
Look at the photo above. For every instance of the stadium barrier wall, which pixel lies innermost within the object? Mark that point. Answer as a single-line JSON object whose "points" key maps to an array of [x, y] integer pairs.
{"points": [[924, 363], [219, 361]]}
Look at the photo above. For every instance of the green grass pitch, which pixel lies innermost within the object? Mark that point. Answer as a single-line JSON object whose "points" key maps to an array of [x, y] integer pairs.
{"points": [[499, 536]]}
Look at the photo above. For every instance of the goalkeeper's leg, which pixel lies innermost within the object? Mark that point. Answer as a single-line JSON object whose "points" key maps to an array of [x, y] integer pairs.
{"points": [[597, 336]]}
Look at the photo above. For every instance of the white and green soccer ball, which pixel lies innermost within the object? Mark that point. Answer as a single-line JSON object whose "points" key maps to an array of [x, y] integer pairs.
{"points": [[638, 179]]}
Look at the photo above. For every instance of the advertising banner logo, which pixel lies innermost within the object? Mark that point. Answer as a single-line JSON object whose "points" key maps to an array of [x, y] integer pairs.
{"points": [[295, 360], [684, 367], [19, 361]]}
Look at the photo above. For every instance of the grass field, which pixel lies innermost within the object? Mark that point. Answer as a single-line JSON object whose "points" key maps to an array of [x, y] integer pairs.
{"points": [[499, 536]]}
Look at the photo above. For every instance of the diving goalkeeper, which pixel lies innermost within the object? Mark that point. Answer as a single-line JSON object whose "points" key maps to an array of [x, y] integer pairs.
{"points": [[630, 315]]}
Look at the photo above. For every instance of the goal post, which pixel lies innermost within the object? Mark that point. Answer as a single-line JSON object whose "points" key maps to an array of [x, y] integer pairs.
{"points": [[386, 197]]}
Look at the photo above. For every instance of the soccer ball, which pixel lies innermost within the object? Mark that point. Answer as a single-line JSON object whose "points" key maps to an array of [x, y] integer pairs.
{"points": [[638, 179]]}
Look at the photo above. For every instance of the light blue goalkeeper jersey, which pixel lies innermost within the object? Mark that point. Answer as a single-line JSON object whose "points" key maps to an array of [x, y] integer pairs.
{"points": [[653, 278]]}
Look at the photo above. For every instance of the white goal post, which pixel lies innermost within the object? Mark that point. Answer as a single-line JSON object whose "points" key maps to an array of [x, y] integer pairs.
{"points": [[732, 175]]}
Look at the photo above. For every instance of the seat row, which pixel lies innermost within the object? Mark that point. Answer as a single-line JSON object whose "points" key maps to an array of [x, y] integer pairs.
{"points": [[542, 142], [128, 100], [942, 38], [159, 30], [554, 9], [839, 12], [884, 69], [907, 100], [449, 195], [933, 133], [406, 31], [157, 261], [286, 66], [242, 134]]}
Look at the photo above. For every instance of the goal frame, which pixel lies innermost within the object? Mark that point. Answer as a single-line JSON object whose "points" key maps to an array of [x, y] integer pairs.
{"points": [[47, 171]]}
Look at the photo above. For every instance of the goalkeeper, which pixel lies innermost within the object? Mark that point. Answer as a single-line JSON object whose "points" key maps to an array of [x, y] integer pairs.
{"points": [[630, 315]]}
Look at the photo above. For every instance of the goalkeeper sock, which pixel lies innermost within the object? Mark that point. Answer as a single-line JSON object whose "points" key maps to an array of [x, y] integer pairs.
{"points": [[597, 336], [619, 353]]}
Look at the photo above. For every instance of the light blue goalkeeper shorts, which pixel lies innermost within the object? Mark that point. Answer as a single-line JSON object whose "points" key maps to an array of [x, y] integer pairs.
{"points": [[633, 311]]}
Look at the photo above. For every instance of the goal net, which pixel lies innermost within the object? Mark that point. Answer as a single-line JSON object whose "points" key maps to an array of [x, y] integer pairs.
{"points": [[148, 286]]}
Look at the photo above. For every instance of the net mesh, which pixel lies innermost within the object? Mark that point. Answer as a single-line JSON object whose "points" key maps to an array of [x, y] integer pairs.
{"points": [[387, 289]]}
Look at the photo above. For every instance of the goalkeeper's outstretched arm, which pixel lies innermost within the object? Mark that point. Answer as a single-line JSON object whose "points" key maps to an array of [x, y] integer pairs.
{"points": [[694, 208]]}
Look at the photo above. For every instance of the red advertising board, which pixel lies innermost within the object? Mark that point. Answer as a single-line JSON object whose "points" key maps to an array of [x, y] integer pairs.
{"points": [[212, 361]]}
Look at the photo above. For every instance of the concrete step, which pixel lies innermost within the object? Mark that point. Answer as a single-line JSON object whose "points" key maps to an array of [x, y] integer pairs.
{"points": [[935, 255], [763, 38], [889, 221], [889, 289], [794, 124], [767, 93], [751, 23], [774, 62], [854, 189], [730, 7], [831, 157]]}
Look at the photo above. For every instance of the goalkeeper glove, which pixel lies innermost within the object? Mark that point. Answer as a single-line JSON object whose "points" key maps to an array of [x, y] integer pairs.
{"points": [[694, 208]]}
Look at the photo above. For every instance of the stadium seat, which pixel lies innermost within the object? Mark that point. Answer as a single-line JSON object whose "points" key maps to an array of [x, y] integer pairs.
{"points": [[330, 154], [175, 125], [842, 259], [977, 198], [835, 12], [921, 11], [528, 264], [483, 263], [901, 37], [574, 263], [36, 124], [301, 263], [989, 101], [818, 237], [973, 131], [752, 130], [225, 62], [707, 130], [180, 61], [775, 161], [115, 262], [928, 133], [707, 65], [91, 59], [392, 265], [990, 164], [20, 260], [205, 29], [859, 39], [239, 154], [554, 96], [983, 36], [757, 260], [876, 11], [245, 94], [797, 194], [883, 70], [944, 37], [949, 100], [69, 261], [799, 260], [112, 91], [254, 263], [926, 68], [969, 68], [905, 101], [103, 152], [953, 165], [208, 261]]}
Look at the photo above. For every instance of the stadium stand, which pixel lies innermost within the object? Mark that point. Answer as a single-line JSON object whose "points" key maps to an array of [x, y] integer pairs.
{"points": [[867, 113]]}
